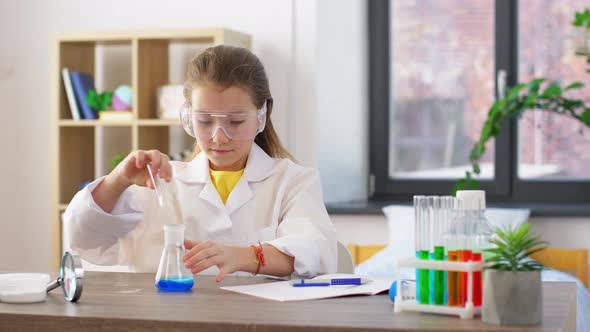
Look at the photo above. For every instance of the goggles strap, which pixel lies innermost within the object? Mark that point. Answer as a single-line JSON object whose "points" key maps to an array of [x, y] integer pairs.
{"points": [[262, 118]]}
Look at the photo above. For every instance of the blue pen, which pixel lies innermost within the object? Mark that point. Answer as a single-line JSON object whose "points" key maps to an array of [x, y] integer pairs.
{"points": [[328, 282]]}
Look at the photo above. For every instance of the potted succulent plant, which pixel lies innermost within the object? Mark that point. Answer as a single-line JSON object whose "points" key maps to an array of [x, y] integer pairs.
{"points": [[512, 282]]}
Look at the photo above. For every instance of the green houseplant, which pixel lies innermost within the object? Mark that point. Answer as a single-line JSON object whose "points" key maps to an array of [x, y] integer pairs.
{"points": [[538, 94], [115, 160], [99, 101], [512, 292], [582, 20]]}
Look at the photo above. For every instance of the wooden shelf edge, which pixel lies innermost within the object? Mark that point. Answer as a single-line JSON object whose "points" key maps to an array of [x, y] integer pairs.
{"points": [[130, 35], [158, 122], [140, 122], [92, 123]]}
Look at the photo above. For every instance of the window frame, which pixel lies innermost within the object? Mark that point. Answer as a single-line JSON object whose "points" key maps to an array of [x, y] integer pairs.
{"points": [[506, 187]]}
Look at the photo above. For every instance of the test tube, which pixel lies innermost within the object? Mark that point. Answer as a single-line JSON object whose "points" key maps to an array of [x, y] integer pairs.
{"points": [[422, 250], [431, 235], [477, 256], [453, 278], [417, 239], [467, 244], [438, 276], [167, 194], [447, 211], [425, 249]]}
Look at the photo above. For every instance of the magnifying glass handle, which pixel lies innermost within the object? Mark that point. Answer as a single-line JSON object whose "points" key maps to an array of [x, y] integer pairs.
{"points": [[53, 285]]}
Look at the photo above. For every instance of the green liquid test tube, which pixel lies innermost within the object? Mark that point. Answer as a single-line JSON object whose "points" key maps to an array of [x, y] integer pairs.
{"points": [[439, 277], [424, 280]]}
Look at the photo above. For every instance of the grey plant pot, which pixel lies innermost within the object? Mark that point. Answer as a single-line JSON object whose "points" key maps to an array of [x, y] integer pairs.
{"points": [[512, 298]]}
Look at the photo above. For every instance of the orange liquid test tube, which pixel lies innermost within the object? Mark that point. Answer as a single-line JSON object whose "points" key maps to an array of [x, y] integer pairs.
{"points": [[453, 281]]}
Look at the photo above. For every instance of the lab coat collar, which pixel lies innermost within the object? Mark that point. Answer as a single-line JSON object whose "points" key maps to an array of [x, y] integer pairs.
{"points": [[258, 167]]}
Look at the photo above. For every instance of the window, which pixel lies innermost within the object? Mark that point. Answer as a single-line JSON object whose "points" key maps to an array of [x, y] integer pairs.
{"points": [[442, 79], [552, 146], [434, 67]]}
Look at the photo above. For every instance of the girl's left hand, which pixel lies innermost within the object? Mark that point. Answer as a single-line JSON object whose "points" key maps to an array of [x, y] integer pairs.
{"points": [[202, 255]]}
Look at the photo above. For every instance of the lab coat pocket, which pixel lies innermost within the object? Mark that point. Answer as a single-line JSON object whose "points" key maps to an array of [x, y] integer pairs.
{"points": [[263, 234]]}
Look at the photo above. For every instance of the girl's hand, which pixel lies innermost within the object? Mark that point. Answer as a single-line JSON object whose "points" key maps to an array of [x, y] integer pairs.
{"points": [[133, 170], [203, 254]]}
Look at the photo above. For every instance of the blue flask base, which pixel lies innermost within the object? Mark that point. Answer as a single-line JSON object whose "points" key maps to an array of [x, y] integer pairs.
{"points": [[175, 285]]}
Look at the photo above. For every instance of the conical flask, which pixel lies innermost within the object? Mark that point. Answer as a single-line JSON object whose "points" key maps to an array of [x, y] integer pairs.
{"points": [[172, 275]]}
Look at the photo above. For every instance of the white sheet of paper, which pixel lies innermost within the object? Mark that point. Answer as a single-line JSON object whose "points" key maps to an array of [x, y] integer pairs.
{"points": [[283, 291]]}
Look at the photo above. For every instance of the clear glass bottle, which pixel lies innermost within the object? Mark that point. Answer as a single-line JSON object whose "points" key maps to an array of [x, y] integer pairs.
{"points": [[172, 275], [477, 234]]}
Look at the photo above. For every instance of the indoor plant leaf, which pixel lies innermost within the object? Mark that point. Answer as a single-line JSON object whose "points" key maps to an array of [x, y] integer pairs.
{"points": [[575, 85], [585, 117]]}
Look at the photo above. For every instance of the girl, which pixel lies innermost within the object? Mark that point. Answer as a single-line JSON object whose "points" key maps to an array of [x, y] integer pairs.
{"points": [[246, 206]]}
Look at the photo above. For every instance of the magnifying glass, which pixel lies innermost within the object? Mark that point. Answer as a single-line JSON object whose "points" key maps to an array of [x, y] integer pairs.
{"points": [[71, 277]]}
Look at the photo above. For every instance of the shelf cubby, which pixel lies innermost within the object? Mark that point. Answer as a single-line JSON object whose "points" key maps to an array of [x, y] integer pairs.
{"points": [[76, 160]]}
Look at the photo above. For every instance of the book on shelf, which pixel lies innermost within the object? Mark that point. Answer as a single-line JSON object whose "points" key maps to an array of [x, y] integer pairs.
{"points": [[65, 73], [115, 115], [81, 84]]}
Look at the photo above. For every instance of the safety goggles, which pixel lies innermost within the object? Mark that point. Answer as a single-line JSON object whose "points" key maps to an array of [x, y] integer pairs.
{"points": [[237, 125]]}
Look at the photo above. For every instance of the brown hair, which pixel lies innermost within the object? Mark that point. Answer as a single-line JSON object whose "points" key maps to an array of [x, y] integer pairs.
{"points": [[236, 66]]}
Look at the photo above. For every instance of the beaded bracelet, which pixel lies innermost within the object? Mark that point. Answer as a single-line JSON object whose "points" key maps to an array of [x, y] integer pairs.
{"points": [[259, 256]]}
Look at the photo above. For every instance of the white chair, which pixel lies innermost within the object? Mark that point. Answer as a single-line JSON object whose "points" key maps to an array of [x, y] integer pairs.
{"points": [[345, 261]]}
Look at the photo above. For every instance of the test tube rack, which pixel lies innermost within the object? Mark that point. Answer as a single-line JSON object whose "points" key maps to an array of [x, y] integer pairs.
{"points": [[466, 312]]}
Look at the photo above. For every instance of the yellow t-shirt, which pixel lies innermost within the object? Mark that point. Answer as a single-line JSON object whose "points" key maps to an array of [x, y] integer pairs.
{"points": [[225, 181]]}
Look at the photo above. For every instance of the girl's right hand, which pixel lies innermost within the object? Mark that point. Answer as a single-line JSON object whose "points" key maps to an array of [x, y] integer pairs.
{"points": [[133, 170]]}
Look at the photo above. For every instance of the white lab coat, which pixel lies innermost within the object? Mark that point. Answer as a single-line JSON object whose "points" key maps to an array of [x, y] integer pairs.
{"points": [[275, 201]]}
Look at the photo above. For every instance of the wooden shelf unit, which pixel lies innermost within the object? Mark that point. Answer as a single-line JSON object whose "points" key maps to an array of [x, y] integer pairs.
{"points": [[73, 145]]}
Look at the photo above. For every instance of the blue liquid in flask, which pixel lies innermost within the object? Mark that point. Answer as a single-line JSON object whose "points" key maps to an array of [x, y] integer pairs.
{"points": [[175, 284], [172, 275]]}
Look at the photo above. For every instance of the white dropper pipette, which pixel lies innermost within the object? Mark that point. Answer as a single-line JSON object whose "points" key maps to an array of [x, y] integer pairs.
{"points": [[158, 193]]}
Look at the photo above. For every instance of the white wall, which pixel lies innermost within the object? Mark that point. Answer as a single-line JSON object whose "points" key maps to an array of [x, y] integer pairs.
{"points": [[302, 119], [342, 117], [11, 221]]}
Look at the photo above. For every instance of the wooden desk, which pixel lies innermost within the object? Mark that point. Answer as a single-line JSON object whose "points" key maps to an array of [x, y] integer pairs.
{"points": [[129, 301]]}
